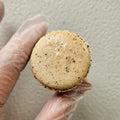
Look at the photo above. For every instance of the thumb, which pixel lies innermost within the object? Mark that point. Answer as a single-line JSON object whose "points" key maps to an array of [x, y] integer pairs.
{"points": [[61, 105]]}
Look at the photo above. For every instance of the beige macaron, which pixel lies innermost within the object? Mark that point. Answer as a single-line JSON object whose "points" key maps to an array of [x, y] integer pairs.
{"points": [[60, 60]]}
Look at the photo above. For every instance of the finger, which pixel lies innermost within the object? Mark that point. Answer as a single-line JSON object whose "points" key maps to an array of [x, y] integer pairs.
{"points": [[1, 10], [61, 105], [14, 56]]}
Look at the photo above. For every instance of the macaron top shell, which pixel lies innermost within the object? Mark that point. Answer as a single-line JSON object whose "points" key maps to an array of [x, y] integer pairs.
{"points": [[61, 60]]}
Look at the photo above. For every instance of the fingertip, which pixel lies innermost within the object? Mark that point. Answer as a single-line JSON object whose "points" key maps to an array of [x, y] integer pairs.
{"points": [[42, 27], [86, 82], [30, 22], [1, 10], [33, 33], [32, 30]]}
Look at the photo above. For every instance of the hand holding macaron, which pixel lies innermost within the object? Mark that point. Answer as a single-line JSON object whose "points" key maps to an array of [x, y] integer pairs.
{"points": [[13, 58]]}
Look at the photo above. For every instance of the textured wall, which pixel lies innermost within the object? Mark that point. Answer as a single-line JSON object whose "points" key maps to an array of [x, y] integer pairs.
{"points": [[98, 22]]}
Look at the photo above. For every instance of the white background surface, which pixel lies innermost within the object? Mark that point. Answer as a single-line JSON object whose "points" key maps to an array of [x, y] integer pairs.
{"points": [[98, 22]]}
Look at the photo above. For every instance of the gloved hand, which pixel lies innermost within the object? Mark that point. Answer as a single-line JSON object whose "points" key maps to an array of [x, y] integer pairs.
{"points": [[13, 58]]}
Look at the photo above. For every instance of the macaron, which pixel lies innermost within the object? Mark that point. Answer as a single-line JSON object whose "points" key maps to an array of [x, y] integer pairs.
{"points": [[61, 60]]}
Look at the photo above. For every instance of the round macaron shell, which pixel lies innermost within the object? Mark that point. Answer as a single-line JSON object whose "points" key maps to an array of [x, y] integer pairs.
{"points": [[61, 60]]}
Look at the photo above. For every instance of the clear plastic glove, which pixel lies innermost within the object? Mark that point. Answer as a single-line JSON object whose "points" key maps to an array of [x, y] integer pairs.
{"points": [[62, 105], [13, 58]]}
